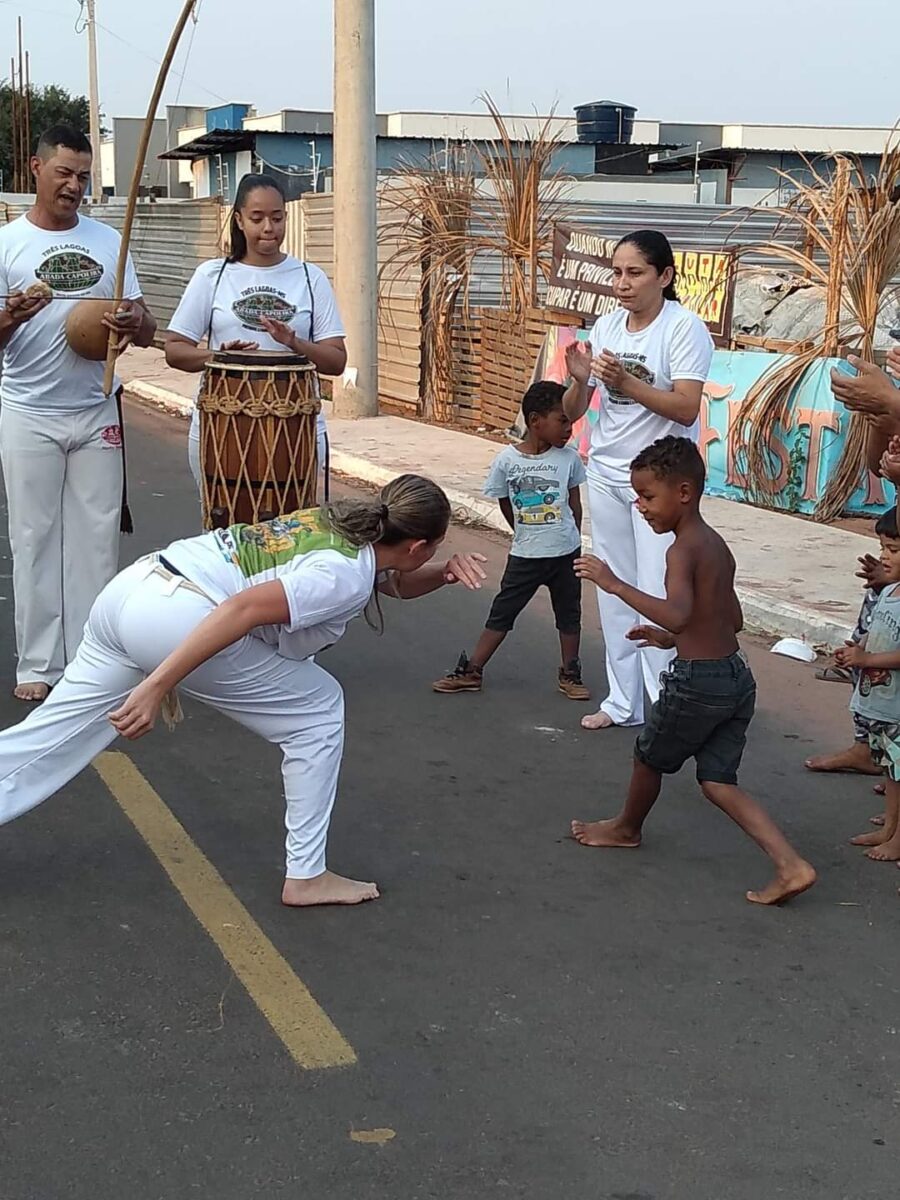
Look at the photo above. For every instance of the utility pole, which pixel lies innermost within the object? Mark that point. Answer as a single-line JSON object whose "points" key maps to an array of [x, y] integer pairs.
{"points": [[94, 102], [697, 189], [355, 258]]}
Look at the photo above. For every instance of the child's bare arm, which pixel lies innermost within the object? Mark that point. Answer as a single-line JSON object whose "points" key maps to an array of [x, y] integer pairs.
{"points": [[674, 612], [853, 655], [735, 603], [507, 509], [738, 613], [575, 505]]}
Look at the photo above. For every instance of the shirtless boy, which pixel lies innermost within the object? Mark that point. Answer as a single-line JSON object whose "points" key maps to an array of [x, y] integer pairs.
{"points": [[708, 694]]}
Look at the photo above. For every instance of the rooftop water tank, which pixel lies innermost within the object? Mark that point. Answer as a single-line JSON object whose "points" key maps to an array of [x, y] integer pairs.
{"points": [[605, 121]]}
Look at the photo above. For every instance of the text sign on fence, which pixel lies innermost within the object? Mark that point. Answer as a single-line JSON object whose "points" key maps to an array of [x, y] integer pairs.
{"points": [[581, 279]]}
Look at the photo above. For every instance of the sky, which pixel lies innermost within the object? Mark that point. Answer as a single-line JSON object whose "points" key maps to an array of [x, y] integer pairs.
{"points": [[812, 62]]}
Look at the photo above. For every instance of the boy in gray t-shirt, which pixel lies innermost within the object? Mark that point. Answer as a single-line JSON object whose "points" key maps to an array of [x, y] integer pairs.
{"points": [[537, 485], [876, 698]]}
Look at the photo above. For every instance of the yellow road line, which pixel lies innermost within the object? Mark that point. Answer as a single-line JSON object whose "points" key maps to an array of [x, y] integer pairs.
{"points": [[286, 1003]]}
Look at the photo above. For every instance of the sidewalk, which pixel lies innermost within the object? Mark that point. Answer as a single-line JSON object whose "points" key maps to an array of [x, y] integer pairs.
{"points": [[794, 577]]}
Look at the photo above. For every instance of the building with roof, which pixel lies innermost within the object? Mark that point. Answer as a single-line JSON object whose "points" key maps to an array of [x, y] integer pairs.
{"points": [[606, 150]]}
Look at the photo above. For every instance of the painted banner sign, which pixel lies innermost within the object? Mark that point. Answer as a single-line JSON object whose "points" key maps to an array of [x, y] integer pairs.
{"points": [[581, 280]]}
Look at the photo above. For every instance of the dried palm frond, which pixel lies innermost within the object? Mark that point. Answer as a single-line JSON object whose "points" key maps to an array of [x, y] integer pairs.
{"points": [[528, 201], [447, 225], [846, 229], [427, 240]]}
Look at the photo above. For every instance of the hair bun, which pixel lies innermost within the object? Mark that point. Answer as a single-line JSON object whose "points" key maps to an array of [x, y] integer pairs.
{"points": [[385, 512]]}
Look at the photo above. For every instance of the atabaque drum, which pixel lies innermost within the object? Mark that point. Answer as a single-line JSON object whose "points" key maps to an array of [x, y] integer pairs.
{"points": [[258, 457]]}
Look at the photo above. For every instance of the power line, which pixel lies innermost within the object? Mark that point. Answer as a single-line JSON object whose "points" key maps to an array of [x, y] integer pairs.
{"points": [[150, 57]]}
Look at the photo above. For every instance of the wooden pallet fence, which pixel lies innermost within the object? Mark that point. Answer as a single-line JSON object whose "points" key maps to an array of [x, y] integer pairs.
{"points": [[509, 350], [467, 370]]}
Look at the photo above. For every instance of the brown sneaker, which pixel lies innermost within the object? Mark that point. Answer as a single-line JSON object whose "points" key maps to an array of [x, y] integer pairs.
{"points": [[570, 682], [463, 678]]}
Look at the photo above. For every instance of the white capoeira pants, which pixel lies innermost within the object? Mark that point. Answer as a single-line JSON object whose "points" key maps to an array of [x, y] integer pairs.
{"points": [[136, 622], [63, 475], [623, 539], [194, 454]]}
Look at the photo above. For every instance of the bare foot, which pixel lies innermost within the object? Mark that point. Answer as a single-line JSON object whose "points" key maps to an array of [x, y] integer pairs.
{"points": [[857, 758], [889, 852], [32, 693], [326, 888], [869, 839], [879, 820], [605, 833], [878, 789], [597, 720], [786, 884]]}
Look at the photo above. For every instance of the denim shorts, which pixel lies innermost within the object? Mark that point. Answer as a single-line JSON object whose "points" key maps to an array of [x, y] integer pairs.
{"points": [[520, 582], [702, 712]]}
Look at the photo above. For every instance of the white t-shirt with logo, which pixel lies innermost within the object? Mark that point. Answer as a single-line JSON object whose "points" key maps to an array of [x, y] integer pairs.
{"points": [[227, 305], [677, 345], [327, 581], [40, 371]]}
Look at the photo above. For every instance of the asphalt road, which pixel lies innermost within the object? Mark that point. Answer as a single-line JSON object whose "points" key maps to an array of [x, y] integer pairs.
{"points": [[530, 1018]]}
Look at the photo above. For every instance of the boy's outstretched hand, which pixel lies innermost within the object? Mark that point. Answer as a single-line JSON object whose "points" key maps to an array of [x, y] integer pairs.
{"points": [[578, 361], [596, 570], [872, 571], [651, 635]]}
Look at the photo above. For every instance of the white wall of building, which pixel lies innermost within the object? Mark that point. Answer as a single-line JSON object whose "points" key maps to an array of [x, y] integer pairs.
{"points": [[243, 165], [806, 138], [108, 164], [188, 171]]}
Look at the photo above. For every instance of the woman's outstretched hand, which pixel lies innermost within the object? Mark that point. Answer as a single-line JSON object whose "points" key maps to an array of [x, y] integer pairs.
{"points": [[138, 714], [578, 361], [465, 569]]}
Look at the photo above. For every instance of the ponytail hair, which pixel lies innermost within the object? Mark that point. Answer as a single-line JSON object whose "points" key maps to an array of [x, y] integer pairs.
{"points": [[409, 508], [237, 242], [657, 250]]}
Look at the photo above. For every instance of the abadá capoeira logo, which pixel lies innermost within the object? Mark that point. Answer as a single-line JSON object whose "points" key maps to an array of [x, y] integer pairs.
{"points": [[634, 366], [70, 271], [255, 304]]}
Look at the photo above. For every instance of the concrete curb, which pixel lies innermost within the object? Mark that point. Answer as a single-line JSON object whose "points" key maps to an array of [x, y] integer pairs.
{"points": [[776, 618], [763, 613], [159, 397]]}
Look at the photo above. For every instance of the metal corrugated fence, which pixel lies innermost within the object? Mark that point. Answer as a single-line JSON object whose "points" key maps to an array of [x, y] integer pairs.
{"points": [[170, 239], [687, 226], [311, 236]]}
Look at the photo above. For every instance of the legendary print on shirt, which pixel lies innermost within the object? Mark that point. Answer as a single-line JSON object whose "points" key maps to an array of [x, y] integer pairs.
{"points": [[534, 497], [256, 303], [70, 269]]}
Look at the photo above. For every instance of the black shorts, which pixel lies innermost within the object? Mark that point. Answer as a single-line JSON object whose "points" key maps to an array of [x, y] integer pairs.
{"points": [[702, 712], [523, 577]]}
